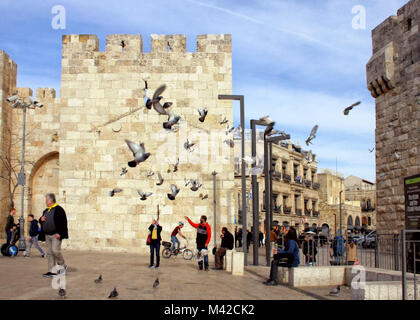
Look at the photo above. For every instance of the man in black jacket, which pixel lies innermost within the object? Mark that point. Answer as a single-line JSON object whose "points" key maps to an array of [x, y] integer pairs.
{"points": [[33, 237], [53, 231], [155, 238], [227, 244], [10, 225]]}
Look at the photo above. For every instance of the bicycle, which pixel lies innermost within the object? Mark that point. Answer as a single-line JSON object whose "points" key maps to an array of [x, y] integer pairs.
{"points": [[187, 254]]}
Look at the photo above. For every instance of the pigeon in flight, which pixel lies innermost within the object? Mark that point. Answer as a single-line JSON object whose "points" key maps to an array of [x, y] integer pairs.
{"points": [[347, 110], [172, 120], [150, 173], [123, 171], [187, 182], [99, 279], [149, 101], [335, 292], [238, 130], [175, 166], [156, 101], [309, 157], [371, 150], [248, 160], [203, 114], [113, 294], [160, 182], [267, 120], [396, 154], [229, 129], [174, 192], [62, 293], [269, 130], [114, 191], [230, 143], [195, 185], [312, 135], [224, 121], [144, 195], [139, 153], [203, 197], [188, 145], [156, 283]]}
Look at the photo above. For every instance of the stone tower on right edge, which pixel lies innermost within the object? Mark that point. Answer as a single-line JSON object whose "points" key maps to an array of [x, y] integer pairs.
{"points": [[393, 78]]}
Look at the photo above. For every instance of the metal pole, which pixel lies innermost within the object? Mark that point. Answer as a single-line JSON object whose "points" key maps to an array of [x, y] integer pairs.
{"points": [[214, 208], [267, 204], [335, 225], [255, 194], [270, 188], [403, 266], [244, 222], [341, 219], [243, 178], [22, 245]]}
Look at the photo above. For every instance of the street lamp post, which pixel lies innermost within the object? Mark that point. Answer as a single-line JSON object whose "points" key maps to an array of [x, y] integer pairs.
{"points": [[243, 178], [20, 103], [341, 220], [214, 173], [335, 224], [268, 174]]}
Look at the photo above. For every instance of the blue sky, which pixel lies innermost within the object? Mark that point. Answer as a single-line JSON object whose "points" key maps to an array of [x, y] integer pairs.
{"points": [[300, 62]]}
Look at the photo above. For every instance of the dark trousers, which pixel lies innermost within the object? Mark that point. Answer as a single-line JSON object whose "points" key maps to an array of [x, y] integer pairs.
{"points": [[155, 246], [205, 258], [220, 253], [275, 264], [8, 236]]}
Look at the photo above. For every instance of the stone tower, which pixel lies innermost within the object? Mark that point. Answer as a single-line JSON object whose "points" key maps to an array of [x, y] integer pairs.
{"points": [[393, 78], [78, 148]]}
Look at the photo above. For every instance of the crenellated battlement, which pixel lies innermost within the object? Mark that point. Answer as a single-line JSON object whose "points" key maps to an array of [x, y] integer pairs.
{"points": [[130, 46]]}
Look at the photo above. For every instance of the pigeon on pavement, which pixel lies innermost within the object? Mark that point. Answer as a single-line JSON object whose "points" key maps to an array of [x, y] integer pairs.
{"points": [[156, 283], [62, 293], [139, 153], [99, 279], [113, 294], [335, 292]]}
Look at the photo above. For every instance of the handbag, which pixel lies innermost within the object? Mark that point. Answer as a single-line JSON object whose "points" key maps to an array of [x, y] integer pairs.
{"points": [[149, 239]]}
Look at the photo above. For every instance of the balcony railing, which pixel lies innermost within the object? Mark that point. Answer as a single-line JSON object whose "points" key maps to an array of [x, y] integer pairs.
{"points": [[298, 212], [287, 210], [316, 214], [316, 185], [308, 183], [368, 209], [277, 209], [287, 177], [308, 212], [277, 175]]}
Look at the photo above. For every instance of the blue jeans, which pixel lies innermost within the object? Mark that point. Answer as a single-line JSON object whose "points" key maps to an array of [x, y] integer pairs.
{"points": [[34, 240], [8, 236], [155, 246], [174, 240], [205, 258]]}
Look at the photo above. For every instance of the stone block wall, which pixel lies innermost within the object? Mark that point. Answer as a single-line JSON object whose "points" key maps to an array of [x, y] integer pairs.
{"points": [[393, 78]]}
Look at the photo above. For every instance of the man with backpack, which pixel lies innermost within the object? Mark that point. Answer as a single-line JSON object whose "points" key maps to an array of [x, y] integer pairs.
{"points": [[33, 237]]}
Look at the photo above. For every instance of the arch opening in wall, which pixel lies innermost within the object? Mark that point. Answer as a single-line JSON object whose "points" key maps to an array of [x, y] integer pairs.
{"points": [[42, 180]]}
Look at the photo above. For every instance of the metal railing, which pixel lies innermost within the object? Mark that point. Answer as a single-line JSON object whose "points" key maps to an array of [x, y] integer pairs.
{"points": [[410, 262]]}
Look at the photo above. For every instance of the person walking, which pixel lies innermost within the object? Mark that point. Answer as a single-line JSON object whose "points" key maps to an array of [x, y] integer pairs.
{"points": [[202, 240], [240, 237], [291, 253], [33, 237], [10, 225], [227, 244], [155, 239], [261, 239], [248, 239], [53, 232], [175, 232]]}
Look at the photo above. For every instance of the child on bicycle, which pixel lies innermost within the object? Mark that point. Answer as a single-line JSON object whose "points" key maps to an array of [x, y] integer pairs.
{"points": [[174, 239]]}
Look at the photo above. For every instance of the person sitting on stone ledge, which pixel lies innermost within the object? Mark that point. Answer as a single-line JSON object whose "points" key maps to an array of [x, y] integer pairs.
{"points": [[227, 244], [290, 254]]}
